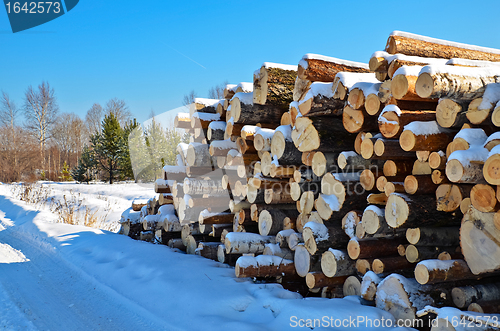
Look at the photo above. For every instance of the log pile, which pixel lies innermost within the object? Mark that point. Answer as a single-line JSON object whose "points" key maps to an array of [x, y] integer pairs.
{"points": [[341, 178]]}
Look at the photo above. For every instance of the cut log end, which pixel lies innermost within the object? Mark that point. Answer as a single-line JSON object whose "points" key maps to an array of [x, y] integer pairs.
{"points": [[424, 85]]}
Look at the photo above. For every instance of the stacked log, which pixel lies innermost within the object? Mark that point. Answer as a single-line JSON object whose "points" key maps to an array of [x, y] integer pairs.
{"points": [[378, 179]]}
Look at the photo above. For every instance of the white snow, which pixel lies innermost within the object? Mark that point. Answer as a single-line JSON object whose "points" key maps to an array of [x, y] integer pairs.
{"points": [[474, 136], [349, 154], [445, 42], [183, 116], [493, 136], [206, 116], [472, 154], [425, 128], [168, 169], [494, 150], [472, 63], [348, 79], [286, 131], [166, 210], [367, 87], [217, 125], [245, 87], [129, 215], [408, 71], [389, 108], [435, 264], [319, 88], [223, 144], [461, 71], [320, 231], [269, 65], [376, 210], [368, 278], [207, 102], [332, 201], [267, 134], [332, 59], [417, 59], [233, 153], [247, 261], [491, 96], [246, 98]]}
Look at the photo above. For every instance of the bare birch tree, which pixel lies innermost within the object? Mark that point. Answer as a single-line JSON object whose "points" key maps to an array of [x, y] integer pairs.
{"points": [[40, 111]]}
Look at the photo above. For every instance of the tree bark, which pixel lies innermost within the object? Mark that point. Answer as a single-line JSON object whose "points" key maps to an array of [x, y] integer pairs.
{"points": [[274, 86]]}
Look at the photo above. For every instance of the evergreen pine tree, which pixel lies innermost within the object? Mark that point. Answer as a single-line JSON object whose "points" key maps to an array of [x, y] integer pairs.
{"points": [[109, 146], [65, 173], [86, 167], [125, 163]]}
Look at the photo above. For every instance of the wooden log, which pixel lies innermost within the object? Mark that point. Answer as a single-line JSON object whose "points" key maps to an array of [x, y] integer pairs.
{"points": [[479, 240], [369, 285], [319, 237], [306, 202], [392, 120], [368, 178], [403, 83], [318, 101], [350, 221], [489, 307], [483, 198], [324, 162], [283, 148], [415, 45], [454, 82], [273, 84], [371, 248], [390, 149], [391, 264], [182, 121], [219, 218], [202, 120], [305, 262], [355, 121], [374, 221], [244, 243], [335, 263], [449, 197], [479, 293], [445, 236], [414, 211], [421, 184], [352, 286], [262, 140], [231, 89], [216, 130], [208, 250], [419, 253], [435, 271], [245, 111], [294, 239], [263, 266], [377, 199], [193, 186], [221, 147], [319, 280], [315, 133], [394, 187], [439, 177], [491, 167], [176, 243], [363, 266], [198, 155], [478, 111], [402, 297], [320, 68], [424, 136], [421, 168], [271, 221], [398, 168], [466, 166], [451, 113]]}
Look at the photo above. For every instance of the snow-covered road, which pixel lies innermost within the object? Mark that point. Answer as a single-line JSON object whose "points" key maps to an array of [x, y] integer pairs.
{"points": [[57, 276]]}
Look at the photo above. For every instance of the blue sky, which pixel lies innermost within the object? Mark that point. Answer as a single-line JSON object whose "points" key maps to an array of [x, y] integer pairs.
{"points": [[151, 53]]}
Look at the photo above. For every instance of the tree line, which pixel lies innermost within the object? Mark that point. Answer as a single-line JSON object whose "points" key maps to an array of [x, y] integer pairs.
{"points": [[52, 145]]}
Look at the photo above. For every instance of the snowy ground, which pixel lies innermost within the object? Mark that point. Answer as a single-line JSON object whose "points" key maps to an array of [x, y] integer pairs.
{"points": [[56, 276]]}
